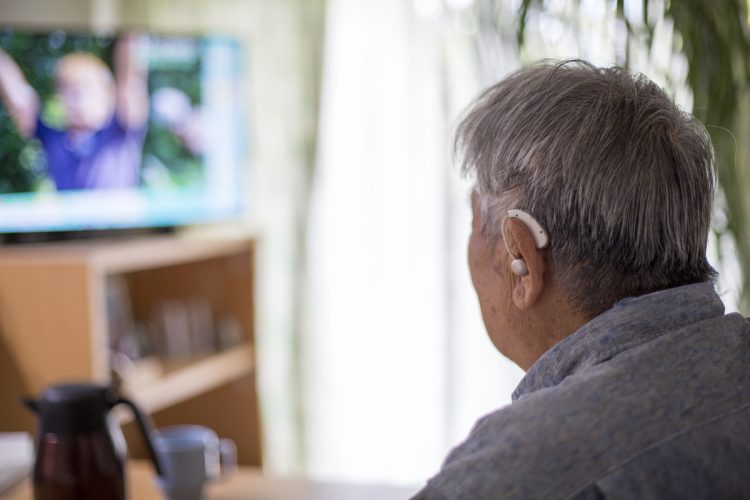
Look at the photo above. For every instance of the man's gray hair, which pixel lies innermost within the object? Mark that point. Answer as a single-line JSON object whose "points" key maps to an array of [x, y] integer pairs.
{"points": [[620, 177]]}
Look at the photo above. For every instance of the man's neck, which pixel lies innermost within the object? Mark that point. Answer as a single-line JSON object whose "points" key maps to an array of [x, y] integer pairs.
{"points": [[554, 320]]}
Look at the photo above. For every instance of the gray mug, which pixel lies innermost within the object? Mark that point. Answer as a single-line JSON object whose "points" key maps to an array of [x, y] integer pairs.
{"points": [[190, 456]]}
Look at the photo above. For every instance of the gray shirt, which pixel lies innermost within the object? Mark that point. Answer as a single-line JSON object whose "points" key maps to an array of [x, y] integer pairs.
{"points": [[651, 399]]}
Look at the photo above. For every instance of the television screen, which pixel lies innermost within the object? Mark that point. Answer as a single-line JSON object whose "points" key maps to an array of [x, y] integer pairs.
{"points": [[128, 130]]}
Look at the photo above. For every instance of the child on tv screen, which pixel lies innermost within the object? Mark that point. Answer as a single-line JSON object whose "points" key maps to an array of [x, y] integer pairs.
{"points": [[129, 130], [86, 112], [103, 116]]}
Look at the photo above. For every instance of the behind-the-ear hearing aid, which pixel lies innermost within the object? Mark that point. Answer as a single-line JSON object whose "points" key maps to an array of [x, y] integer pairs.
{"points": [[541, 239]]}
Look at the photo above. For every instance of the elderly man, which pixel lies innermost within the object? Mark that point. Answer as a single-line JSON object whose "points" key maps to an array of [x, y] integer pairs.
{"points": [[588, 255]]}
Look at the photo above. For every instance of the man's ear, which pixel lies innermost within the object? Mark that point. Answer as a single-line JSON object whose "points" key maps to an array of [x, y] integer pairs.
{"points": [[526, 288]]}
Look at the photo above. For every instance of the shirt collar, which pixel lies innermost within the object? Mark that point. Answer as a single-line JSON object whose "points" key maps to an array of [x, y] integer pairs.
{"points": [[630, 322]]}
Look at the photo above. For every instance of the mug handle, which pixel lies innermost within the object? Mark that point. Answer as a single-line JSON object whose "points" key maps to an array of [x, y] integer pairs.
{"points": [[228, 454]]}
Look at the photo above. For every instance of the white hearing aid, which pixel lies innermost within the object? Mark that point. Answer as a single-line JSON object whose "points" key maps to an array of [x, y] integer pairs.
{"points": [[540, 235], [541, 239], [518, 267]]}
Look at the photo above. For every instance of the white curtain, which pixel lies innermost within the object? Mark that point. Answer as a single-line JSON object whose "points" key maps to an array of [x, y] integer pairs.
{"points": [[397, 362]]}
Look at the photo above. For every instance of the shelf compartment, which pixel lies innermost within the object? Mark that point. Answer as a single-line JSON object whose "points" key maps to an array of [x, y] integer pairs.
{"points": [[190, 380], [55, 326]]}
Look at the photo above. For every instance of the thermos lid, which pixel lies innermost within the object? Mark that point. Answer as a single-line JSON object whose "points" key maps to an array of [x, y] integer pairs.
{"points": [[75, 408]]}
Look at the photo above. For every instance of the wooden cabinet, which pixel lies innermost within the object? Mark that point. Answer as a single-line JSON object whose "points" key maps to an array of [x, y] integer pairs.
{"points": [[190, 302]]}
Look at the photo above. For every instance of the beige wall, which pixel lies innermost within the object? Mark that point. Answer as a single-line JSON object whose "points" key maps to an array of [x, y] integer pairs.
{"points": [[58, 13]]}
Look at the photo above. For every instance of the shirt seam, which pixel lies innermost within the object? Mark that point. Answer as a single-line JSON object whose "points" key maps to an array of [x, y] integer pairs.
{"points": [[607, 355], [652, 447], [658, 334], [602, 358]]}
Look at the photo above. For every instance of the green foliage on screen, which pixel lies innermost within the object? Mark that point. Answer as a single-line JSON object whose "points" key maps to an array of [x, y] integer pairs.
{"points": [[163, 151], [22, 163]]}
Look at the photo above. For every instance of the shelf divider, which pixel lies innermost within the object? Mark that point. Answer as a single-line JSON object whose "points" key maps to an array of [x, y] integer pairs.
{"points": [[195, 378]]}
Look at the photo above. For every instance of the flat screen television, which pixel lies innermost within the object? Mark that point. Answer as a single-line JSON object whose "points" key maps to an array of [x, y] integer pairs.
{"points": [[119, 130]]}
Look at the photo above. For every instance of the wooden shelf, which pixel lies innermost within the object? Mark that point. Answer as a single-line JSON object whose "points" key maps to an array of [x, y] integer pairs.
{"points": [[191, 379], [65, 306], [113, 256]]}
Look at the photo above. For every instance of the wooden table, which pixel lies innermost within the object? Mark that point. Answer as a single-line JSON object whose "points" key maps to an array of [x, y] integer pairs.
{"points": [[246, 484]]}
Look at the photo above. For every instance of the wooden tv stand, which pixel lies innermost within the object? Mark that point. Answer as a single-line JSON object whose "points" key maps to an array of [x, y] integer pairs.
{"points": [[57, 313]]}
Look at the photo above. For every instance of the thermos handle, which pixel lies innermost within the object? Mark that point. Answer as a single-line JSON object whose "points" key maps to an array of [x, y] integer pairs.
{"points": [[144, 424]]}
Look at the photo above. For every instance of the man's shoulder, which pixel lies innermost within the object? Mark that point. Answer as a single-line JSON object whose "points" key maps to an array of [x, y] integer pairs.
{"points": [[535, 447], [517, 452], [683, 396]]}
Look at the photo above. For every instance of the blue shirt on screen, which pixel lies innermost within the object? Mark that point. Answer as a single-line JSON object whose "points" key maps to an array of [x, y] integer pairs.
{"points": [[651, 399], [107, 159]]}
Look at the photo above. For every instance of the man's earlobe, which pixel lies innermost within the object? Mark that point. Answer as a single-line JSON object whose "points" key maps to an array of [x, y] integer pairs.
{"points": [[519, 295]]}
